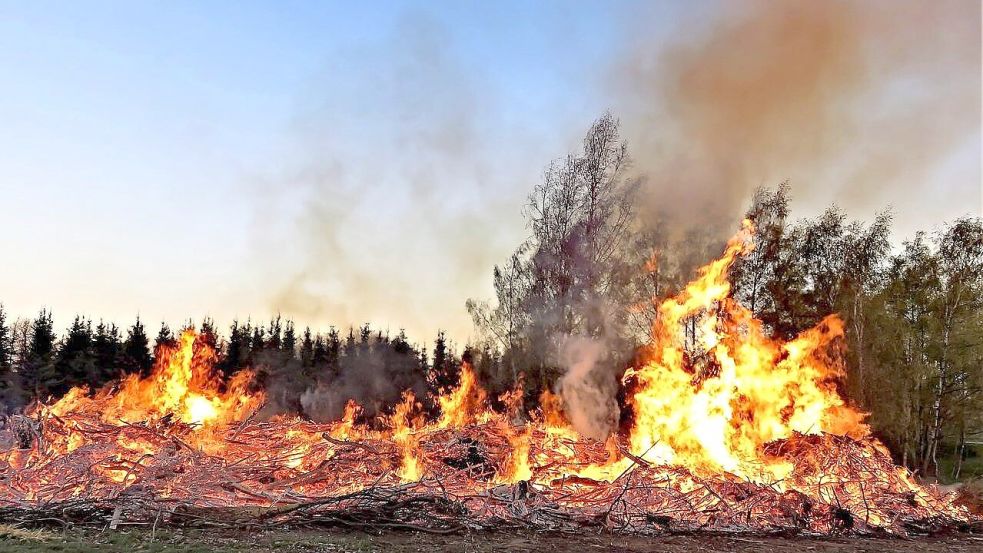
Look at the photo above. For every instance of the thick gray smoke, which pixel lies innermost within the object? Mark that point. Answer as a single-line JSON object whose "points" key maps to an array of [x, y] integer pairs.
{"points": [[589, 387], [374, 390], [375, 377]]}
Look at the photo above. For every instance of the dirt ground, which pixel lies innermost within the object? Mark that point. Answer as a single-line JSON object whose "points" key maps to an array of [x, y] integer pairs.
{"points": [[302, 541]]}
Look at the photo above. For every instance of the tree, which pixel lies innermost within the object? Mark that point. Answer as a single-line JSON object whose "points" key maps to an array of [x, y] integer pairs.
{"points": [[751, 273], [258, 342], [75, 362], [307, 350], [6, 343], [319, 353], [580, 216], [504, 323], [289, 340], [107, 348], [332, 353], [924, 367], [273, 337], [960, 265], [136, 350], [569, 277], [237, 349], [208, 336], [443, 373], [10, 389], [36, 367]]}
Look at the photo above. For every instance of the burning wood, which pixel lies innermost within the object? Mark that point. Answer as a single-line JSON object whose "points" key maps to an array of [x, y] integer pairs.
{"points": [[746, 434]]}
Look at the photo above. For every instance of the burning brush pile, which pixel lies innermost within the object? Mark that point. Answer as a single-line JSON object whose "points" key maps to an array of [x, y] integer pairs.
{"points": [[750, 434]]}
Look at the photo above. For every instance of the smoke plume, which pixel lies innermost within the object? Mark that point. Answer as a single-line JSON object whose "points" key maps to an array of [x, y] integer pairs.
{"points": [[588, 387], [857, 103]]}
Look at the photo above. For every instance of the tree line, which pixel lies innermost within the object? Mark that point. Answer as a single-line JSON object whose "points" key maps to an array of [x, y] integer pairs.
{"points": [[38, 364]]}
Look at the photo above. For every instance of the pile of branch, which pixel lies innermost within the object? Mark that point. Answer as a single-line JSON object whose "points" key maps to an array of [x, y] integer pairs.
{"points": [[289, 472]]}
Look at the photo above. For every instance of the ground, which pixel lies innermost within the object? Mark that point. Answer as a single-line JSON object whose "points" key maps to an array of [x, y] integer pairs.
{"points": [[301, 541]]}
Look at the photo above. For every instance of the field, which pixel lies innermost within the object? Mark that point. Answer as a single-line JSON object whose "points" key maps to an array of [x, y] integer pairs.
{"points": [[196, 540]]}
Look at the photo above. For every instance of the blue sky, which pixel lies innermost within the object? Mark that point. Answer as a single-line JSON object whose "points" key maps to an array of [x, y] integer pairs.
{"points": [[341, 162]]}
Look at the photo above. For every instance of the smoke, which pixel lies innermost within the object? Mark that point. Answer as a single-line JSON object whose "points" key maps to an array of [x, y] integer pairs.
{"points": [[399, 202], [375, 391], [374, 375], [857, 103], [589, 387]]}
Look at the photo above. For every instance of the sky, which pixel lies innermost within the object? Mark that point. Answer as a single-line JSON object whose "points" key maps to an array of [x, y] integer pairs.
{"points": [[343, 163]]}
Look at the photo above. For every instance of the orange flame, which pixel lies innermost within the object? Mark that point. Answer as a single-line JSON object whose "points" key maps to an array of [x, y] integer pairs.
{"points": [[182, 385], [712, 404], [403, 423], [464, 404]]}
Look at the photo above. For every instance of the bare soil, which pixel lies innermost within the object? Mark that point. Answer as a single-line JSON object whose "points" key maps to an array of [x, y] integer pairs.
{"points": [[302, 541]]}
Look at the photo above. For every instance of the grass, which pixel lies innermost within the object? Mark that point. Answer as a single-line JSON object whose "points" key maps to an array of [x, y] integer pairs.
{"points": [[972, 467]]}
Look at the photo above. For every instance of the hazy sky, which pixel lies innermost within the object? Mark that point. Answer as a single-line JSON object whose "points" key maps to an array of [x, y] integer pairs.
{"points": [[351, 162]]}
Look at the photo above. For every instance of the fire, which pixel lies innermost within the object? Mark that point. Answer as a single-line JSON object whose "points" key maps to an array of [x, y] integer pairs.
{"points": [[516, 466], [183, 385], [465, 403], [402, 423], [711, 405], [729, 428], [347, 429]]}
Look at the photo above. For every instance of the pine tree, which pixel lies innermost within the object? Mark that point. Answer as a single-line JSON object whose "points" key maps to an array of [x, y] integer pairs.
{"points": [[348, 350], [334, 347], [237, 349], [8, 384], [364, 340], [165, 338], [208, 336], [258, 342], [75, 362], [319, 354], [307, 349], [6, 343], [289, 340], [442, 374], [273, 339], [136, 350], [37, 370], [107, 347]]}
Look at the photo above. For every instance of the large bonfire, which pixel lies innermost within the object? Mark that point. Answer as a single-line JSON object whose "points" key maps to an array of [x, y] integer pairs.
{"points": [[731, 430]]}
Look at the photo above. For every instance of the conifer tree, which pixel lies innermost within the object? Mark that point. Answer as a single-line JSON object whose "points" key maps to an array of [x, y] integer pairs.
{"points": [[107, 347], [6, 343], [258, 341], [165, 338], [75, 362], [37, 368], [136, 350], [273, 337], [334, 347], [319, 355], [237, 349], [289, 344], [307, 349]]}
